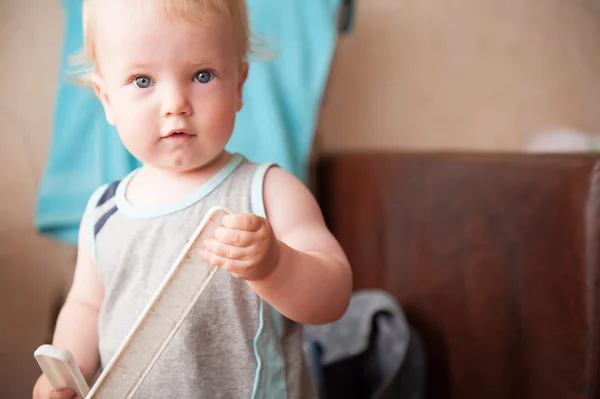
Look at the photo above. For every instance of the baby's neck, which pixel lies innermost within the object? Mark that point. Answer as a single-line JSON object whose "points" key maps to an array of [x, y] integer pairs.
{"points": [[154, 186]]}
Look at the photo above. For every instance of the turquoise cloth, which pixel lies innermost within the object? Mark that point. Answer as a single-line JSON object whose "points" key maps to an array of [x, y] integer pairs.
{"points": [[277, 123]]}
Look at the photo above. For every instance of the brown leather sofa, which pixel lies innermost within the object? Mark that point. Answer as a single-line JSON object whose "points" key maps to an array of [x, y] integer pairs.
{"points": [[494, 257]]}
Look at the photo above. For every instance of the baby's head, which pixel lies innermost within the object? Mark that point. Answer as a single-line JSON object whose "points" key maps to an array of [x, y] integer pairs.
{"points": [[172, 10], [169, 74]]}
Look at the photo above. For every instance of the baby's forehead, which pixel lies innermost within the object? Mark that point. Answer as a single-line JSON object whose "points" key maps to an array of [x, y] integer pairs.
{"points": [[129, 17], [128, 39], [113, 26], [169, 11]]}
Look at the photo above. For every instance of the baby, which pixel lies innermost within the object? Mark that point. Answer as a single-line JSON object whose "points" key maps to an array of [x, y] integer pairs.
{"points": [[170, 74]]}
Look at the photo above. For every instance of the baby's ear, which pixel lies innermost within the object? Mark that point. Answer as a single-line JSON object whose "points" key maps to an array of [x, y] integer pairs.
{"points": [[244, 67], [100, 90]]}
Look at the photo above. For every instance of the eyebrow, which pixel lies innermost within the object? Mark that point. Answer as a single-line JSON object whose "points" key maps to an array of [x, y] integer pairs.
{"points": [[139, 66], [199, 65]]}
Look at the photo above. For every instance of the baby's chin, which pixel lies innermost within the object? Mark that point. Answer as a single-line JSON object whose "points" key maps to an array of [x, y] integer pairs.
{"points": [[187, 165]]}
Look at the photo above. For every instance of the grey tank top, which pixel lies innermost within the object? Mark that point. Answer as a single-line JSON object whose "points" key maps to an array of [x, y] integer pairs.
{"points": [[232, 344]]}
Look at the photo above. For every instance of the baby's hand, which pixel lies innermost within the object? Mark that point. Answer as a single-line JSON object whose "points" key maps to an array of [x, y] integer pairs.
{"points": [[245, 246], [43, 390]]}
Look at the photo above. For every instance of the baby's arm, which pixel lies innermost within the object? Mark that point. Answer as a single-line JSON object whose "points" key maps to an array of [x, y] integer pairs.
{"points": [[312, 281], [77, 324]]}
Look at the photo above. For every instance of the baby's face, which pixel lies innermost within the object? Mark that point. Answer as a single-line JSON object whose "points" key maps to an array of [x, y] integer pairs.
{"points": [[171, 88]]}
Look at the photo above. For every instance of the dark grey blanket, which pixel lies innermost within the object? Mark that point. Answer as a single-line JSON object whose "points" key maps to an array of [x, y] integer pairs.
{"points": [[370, 353]]}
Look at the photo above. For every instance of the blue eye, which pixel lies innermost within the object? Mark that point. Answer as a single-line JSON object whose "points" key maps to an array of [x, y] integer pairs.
{"points": [[143, 82], [203, 77]]}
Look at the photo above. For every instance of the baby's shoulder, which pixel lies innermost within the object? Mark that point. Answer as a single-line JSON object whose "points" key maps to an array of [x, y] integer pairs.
{"points": [[288, 200], [282, 186]]}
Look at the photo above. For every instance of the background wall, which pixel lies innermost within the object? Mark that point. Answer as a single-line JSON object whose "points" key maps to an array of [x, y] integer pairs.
{"points": [[437, 74], [463, 74], [35, 272]]}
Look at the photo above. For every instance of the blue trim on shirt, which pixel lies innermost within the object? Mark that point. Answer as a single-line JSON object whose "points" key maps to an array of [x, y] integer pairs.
{"points": [[269, 381], [90, 220], [156, 211]]}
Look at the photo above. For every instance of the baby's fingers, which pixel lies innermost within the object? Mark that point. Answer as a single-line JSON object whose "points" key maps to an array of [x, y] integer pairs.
{"points": [[64, 393], [233, 266], [244, 221], [225, 251], [238, 238]]}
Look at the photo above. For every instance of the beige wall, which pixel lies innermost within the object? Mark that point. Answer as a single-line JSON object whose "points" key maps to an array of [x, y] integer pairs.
{"points": [[461, 74], [35, 272]]}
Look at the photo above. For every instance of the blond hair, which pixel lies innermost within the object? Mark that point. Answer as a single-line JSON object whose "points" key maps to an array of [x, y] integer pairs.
{"points": [[190, 10]]}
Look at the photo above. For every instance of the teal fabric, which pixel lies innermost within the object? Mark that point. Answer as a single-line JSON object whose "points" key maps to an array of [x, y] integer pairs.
{"points": [[277, 123]]}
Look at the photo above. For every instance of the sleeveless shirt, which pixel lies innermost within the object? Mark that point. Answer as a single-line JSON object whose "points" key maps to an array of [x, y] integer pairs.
{"points": [[232, 343]]}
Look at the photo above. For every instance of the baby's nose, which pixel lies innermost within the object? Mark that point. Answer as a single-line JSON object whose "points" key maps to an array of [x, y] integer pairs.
{"points": [[176, 102]]}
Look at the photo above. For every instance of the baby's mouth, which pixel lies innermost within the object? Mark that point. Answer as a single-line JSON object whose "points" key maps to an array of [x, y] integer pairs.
{"points": [[177, 136]]}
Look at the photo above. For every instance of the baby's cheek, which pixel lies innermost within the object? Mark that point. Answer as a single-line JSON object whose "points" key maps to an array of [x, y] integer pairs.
{"points": [[219, 118], [219, 129], [137, 143]]}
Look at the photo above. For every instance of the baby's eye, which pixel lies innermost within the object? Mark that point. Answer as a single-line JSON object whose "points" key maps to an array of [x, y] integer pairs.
{"points": [[143, 82], [203, 77]]}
